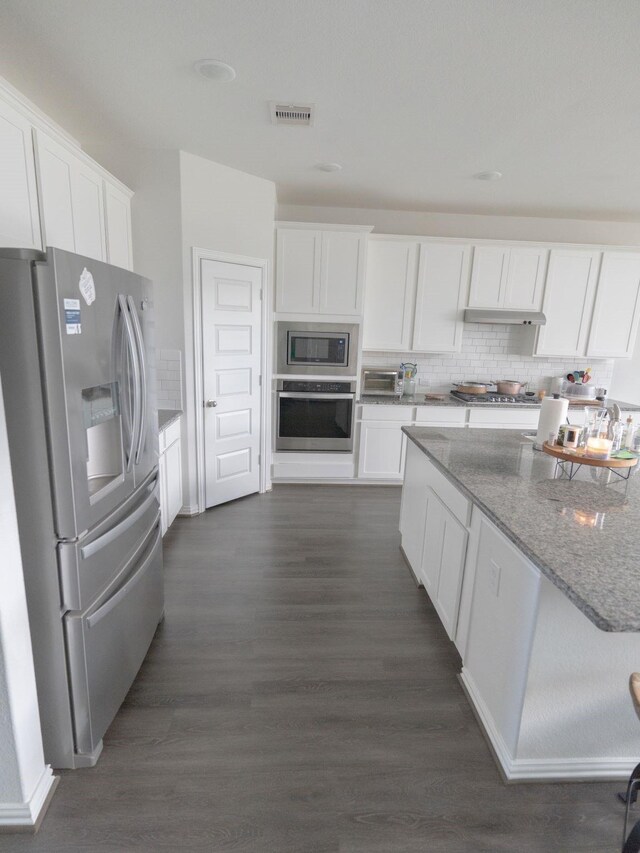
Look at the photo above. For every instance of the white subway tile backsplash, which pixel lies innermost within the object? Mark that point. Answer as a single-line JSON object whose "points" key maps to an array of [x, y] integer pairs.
{"points": [[169, 379], [488, 350]]}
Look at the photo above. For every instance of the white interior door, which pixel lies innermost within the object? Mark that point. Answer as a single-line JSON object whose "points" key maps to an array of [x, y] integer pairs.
{"points": [[231, 346]]}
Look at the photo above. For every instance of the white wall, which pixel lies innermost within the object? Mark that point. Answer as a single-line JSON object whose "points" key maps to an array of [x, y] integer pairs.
{"points": [[470, 225], [25, 780], [227, 211]]}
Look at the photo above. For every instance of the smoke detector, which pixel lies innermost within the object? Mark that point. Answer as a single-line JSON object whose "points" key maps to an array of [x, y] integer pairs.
{"points": [[294, 114]]}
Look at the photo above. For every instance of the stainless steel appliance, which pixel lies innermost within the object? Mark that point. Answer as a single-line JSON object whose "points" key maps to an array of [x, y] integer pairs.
{"points": [[381, 381], [77, 373], [315, 415], [329, 349], [490, 398]]}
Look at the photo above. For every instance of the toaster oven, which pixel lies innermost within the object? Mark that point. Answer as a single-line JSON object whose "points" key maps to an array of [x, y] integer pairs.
{"points": [[381, 381]]}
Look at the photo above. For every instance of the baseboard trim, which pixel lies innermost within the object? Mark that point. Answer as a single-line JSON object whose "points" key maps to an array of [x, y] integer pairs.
{"points": [[188, 511], [335, 481], [541, 769], [27, 817]]}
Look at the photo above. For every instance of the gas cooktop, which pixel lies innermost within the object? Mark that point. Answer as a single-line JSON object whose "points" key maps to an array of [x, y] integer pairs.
{"points": [[490, 397]]}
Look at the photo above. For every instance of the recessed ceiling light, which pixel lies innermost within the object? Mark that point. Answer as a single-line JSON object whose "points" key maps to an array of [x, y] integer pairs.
{"points": [[488, 176], [329, 167], [215, 69]]}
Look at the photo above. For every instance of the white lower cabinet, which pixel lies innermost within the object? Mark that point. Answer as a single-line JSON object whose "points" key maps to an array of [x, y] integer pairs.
{"points": [[491, 418], [434, 539], [170, 473], [382, 449]]}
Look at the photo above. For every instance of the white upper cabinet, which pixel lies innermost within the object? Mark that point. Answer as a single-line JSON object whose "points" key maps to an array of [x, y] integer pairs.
{"points": [[342, 264], [392, 267], [71, 200], [297, 270], [568, 302], [616, 313], [19, 217], [508, 277], [415, 295], [320, 270], [117, 206], [443, 280]]}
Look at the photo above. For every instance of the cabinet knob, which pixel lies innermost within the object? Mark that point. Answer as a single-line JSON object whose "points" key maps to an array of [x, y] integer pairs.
{"points": [[211, 404]]}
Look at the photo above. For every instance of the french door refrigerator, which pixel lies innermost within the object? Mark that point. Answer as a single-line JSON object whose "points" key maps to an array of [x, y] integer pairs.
{"points": [[77, 372]]}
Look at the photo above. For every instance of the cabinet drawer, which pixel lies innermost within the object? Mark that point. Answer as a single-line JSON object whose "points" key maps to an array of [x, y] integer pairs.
{"points": [[453, 499], [380, 412], [451, 415], [169, 434], [504, 418]]}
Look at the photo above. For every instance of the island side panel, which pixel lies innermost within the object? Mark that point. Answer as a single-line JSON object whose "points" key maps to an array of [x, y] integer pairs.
{"points": [[578, 719]]}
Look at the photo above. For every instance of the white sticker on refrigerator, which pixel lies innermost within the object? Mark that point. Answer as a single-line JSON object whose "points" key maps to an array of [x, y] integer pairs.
{"points": [[87, 286], [72, 316]]}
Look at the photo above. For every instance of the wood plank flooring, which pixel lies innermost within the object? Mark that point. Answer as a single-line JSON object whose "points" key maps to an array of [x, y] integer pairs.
{"points": [[301, 697]]}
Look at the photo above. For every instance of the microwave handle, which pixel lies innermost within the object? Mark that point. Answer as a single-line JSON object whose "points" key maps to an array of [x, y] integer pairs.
{"points": [[309, 395]]}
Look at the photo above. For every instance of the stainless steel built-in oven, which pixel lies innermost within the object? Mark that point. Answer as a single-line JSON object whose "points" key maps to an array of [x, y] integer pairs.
{"points": [[315, 415], [329, 349]]}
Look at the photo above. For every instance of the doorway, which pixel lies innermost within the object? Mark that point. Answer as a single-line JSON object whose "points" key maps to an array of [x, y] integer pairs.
{"points": [[230, 353]]}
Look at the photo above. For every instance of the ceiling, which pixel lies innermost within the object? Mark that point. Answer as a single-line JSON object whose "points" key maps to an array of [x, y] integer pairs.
{"points": [[413, 97]]}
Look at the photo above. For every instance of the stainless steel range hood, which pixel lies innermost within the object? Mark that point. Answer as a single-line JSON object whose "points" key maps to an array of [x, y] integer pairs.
{"points": [[512, 318]]}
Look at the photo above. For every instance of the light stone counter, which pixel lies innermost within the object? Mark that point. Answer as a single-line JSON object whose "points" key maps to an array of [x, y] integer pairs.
{"points": [[598, 568]]}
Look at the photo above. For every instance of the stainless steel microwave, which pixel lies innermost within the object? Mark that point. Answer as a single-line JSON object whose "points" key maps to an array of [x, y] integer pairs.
{"points": [[323, 349]]}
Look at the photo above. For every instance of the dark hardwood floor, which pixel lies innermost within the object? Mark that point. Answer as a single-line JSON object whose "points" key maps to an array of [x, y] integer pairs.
{"points": [[301, 697]]}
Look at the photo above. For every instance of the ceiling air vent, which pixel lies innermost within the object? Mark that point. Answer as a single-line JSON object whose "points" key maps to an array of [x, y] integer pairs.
{"points": [[299, 114]]}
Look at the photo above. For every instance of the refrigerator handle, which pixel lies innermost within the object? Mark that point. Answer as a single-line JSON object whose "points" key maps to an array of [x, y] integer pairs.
{"points": [[143, 376], [136, 376]]}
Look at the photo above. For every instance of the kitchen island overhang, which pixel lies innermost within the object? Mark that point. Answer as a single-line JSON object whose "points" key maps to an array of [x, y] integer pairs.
{"points": [[543, 605]]}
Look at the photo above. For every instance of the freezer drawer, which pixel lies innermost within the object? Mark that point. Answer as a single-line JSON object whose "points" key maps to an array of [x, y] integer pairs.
{"points": [[89, 566], [107, 644]]}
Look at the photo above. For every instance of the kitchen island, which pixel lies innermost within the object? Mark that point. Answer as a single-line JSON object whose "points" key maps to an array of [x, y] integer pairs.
{"points": [[537, 581]]}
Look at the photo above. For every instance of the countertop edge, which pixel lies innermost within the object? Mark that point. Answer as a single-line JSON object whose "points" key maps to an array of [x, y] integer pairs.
{"points": [[585, 608], [167, 416]]}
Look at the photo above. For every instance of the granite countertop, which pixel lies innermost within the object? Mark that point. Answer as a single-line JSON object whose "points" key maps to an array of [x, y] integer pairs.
{"points": [[167, 416], [549, 520], [381, 400]]}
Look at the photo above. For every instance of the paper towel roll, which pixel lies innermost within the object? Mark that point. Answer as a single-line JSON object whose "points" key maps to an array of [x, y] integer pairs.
{"points": [[553, 412]]}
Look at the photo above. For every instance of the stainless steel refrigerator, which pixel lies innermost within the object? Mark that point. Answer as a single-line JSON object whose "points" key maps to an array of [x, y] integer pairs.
{"points": [[76, 365]]}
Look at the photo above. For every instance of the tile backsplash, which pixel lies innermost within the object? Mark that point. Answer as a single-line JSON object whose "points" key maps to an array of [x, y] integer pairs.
{"points": [[169, 378], [491, 351]]}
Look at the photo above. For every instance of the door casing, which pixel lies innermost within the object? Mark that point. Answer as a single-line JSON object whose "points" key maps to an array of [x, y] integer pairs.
{"points": [[198, 255]]}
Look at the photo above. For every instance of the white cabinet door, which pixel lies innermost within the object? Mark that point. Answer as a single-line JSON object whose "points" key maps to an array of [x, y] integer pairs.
{"points": [[382, 449], [509, 277], [525, 279], [342, 272], [162, 488], [413, 509], [298, 254], [501, 627], [173, 469], [442, 291], [88, 212], [452, 559], [117, 206], [614, 326], [55, 179], [19, 217], [432, 551], [390, 294], [488, 276], [568, 302], [71, 200]]}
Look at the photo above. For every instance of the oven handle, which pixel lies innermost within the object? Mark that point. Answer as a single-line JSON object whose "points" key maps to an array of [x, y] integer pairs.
{"points": [[309, 395]]}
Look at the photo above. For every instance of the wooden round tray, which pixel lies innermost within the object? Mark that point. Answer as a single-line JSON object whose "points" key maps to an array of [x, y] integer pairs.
{"points": [[579, 457]]}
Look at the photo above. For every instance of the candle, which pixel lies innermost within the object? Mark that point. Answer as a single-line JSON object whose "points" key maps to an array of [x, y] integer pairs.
{"points": [[599, 448]]}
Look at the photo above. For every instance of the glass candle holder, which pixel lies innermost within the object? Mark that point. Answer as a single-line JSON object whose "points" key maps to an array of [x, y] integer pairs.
{"points": [[599, 448]]}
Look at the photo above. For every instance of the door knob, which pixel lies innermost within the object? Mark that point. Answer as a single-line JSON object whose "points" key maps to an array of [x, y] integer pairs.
{"points": [[211, 404]]}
